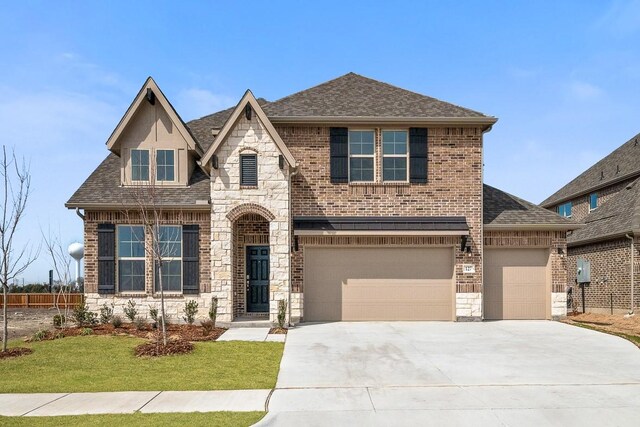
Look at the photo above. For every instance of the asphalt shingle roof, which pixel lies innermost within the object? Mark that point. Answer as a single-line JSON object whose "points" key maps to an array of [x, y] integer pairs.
{"points": [[618, 216], [502, 208], [353, 95], [103, 188], [622, 162]]}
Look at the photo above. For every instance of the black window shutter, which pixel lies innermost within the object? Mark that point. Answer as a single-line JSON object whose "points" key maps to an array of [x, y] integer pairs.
{"points": [[190, 259], [106, 258], [249, 169], [418, 155], [339, 151]]}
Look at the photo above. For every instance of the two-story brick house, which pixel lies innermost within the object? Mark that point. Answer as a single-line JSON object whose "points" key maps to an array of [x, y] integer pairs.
{"points": [[351, 200], [606, 198]]}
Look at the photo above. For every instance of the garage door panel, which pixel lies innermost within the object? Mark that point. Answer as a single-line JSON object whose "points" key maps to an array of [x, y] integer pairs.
{"points": [[378, 284], [515, 283]]}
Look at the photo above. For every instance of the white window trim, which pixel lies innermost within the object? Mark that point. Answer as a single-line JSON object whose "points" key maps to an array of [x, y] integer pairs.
{"points": [[406, 155], [151, 154], [165, 259], [142, 258], [361, 156], [570, 210], [175, 167]]}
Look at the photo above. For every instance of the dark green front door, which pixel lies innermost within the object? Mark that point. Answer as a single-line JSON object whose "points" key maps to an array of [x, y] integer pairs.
{"points": [[257, 279]]}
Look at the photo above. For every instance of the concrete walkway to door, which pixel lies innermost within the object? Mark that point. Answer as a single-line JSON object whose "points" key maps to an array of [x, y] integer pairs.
{"points": [[431, 373]]}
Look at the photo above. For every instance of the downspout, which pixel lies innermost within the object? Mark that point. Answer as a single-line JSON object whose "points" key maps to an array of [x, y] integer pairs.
{"points": [[632, 270], [291, 239], [79, 214]]}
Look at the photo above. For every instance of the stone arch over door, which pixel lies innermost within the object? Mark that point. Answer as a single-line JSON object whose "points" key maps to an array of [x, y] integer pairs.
{"points": [[250, 208]]}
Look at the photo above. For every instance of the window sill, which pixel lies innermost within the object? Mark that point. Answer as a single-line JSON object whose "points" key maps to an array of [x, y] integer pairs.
{"points": [[172, 295], [248, 187], [379, 184]]}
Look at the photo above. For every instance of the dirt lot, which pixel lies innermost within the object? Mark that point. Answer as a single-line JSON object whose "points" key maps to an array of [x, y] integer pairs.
{"points": [[25, 321], [614, 323]]}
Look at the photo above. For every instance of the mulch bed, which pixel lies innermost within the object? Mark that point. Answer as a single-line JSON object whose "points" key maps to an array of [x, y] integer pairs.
{"points": [[278, 331], [156, 348], [15, 352]]}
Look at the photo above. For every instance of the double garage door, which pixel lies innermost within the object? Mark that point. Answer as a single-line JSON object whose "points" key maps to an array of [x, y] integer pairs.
{"points": [[374, 283], [516, 284]]}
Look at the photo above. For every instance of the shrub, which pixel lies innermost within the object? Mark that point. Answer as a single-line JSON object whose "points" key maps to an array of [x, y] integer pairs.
{"points": [[207, 326], [82, 316], [86, 331], [130, 310], [213, 310], [153, 313], [40, 335], [140, 323], [59, 320], [190, 311], [106, 313], [116, 321], [282, 313], [59, 335]]}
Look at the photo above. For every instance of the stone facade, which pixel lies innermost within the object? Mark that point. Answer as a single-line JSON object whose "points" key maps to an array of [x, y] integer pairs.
{"points": [[174, 303], [469, 306], [230, 201], [610, 260]]}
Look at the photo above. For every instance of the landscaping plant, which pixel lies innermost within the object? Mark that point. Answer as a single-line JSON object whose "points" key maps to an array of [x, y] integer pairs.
{"points": [[213, 310], [153, 313], [39, 336], [207, 326], [83, 316], [130, 310], [106, 313], [86, 331], [140, 323], [282, 313], [190, 311], [116, 321], [58, 320]]}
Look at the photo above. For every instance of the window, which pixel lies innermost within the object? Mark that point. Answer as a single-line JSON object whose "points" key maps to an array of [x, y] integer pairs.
{"points": [[361, 155], [131, 258], [593, 201], [565, 210], [249, 169], [170, 245], [165, 166], [140, 165], [394, 155]]}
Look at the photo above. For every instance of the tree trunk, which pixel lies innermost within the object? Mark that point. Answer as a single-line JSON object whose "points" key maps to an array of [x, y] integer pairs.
{"points": [[164, 329], [5, 321]]}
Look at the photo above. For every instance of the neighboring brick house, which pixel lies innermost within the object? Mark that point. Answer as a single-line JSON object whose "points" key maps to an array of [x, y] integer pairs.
{"points": [[352, 200], [606, 198]]}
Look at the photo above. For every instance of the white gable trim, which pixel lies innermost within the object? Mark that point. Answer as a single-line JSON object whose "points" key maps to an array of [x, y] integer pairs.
{"points": [[248, 98], [168, 108]]}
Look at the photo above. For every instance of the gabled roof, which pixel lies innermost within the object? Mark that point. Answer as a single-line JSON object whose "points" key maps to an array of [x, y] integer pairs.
{"points": [[248, 98], [505, 211], [202, 128], [360, 99], [622, 164], [620, 215], [103, 190], [150, 84]]}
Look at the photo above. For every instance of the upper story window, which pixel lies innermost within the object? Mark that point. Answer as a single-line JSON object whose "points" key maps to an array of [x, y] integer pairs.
{"points": [[140, 165], [361, 155], [565, 210], [593, 201], [165, 165], [394, 155], [131, 258], [249, 169], [170, 246]]}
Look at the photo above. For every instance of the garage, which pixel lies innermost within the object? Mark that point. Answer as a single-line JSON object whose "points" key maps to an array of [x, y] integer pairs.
{"points": [[516, 283], [378, 283]]}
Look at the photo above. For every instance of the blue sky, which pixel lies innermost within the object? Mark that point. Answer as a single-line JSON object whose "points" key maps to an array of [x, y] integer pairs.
{"points": [[563, 77]]}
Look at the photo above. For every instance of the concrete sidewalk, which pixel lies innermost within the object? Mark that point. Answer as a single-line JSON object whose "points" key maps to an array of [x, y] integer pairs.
{"points": [[127, 402]]}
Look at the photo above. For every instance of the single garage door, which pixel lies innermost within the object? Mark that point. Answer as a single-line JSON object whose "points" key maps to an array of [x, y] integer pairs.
{"points": [[377, 283], [515, 283]]}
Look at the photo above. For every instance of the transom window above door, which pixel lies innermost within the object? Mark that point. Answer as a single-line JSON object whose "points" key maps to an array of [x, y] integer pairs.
{"points": [[394, 155], [140, 165], [361, 155], [165, 165]]}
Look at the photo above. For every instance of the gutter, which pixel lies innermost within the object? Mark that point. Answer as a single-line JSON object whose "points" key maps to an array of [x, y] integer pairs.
{"points": [[487, 122], [95, 207], [293, 173], [631, 237], [532, 227]]}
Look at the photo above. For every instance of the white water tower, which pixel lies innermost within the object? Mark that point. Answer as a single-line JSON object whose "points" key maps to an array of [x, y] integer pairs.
{"points": [[76, 250]]}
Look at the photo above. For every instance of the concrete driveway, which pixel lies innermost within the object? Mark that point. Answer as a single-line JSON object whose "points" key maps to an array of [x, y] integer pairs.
{"points": [[430, 373]]}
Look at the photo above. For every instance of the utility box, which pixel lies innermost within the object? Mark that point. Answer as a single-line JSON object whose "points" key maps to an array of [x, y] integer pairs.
{"points": [[583, 273]]}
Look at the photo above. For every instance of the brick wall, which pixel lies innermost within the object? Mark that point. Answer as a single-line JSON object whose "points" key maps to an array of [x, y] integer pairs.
{"points": [[454, 187], [580, 205], [610, 259]]}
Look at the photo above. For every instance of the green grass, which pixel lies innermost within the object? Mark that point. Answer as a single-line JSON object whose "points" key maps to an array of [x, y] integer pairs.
{"points": [[222, 419], [107, 363], [633, 338]]}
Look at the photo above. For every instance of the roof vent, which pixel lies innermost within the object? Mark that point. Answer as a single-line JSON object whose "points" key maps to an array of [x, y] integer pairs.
{"points": [[151, 97], [617, 169], [601, 175], [636, 143]]}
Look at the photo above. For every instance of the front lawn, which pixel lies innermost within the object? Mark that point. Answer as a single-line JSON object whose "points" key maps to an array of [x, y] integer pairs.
{"points": [[107, 363], [221, 419]]}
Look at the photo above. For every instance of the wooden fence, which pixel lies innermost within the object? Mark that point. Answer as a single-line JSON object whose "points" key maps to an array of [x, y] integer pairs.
{"points": [[42, 300]]}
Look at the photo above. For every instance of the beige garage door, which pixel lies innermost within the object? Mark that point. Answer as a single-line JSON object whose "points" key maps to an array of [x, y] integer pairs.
{"points": [[378, 284], [515, 283]]}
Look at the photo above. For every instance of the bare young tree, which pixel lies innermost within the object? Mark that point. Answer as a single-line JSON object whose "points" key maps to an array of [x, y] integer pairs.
{"points": [[144, 207], [16, 185], [61, 263]]}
